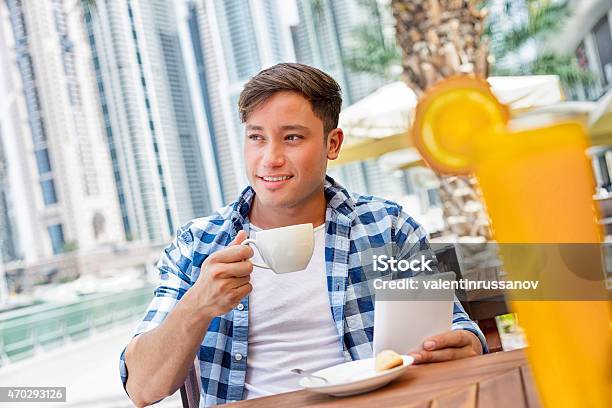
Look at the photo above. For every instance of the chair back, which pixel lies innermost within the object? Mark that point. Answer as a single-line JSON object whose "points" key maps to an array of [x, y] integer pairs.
{"points": [[190, 390]]}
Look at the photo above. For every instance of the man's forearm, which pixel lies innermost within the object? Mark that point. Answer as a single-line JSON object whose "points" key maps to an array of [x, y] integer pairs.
{"points": [[158, 361]]}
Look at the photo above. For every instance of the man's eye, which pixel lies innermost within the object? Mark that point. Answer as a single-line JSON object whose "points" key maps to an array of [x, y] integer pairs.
{"points": [[293, 137], [256, 137]]}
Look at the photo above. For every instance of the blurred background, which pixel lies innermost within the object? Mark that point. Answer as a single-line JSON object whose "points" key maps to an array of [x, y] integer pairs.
{"points": [[118, 124]]}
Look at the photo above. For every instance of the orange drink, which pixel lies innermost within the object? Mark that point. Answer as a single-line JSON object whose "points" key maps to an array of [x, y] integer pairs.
{"points": [[537, 186]]}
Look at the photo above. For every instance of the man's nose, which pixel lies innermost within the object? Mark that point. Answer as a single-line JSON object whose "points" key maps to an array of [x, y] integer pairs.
{"points": [[274, 155]]}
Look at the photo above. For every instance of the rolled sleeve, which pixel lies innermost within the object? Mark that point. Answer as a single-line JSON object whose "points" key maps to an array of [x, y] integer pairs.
{"points": [[174, 269], [461, 321], [410, 240]]}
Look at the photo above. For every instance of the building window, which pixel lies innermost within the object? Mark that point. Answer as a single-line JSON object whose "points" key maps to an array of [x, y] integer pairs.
{"points": [[433, 198], [603, 41], [169, 219], [48, 192], [126, 228], [56, 234], [42, 161]]}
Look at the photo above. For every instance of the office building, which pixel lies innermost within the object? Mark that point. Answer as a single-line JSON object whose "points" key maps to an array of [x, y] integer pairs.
{"points": [[233, 40], [324, 37], [58, 190], [148, 118]]}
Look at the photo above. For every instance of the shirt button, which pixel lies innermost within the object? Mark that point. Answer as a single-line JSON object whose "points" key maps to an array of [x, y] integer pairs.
{"points": [[240, 306], [238, 356]]}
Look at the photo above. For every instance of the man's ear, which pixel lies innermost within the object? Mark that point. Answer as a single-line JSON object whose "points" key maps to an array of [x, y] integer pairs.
{"points": [[334, 142]]}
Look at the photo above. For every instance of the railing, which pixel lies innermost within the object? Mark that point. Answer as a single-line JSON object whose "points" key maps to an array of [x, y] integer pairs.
{"points": [[587, 92], [49, 326]]}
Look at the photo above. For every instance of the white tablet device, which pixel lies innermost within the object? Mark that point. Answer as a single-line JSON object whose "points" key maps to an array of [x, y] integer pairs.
{"points": [[403, 318]]}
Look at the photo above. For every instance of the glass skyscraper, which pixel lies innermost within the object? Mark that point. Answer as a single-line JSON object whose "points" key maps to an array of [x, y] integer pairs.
{"points": [[58, 183], [324, 37], [232, 41], [150, 129]]}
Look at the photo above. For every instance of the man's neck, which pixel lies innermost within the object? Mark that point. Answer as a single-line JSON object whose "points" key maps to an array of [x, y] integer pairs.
{"points": [[312, 212]]}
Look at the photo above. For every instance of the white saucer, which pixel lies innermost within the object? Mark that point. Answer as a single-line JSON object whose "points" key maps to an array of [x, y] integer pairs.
{"points": [[354, 377]]}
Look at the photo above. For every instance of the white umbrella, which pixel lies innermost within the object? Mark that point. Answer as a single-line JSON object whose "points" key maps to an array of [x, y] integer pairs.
{"points": [[383, 113], [379, 123], [401, 159], [527, 92], [388, 110]]}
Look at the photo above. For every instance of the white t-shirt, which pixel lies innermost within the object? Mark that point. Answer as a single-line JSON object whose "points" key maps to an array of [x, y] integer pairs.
{"points": [[290, 325]]}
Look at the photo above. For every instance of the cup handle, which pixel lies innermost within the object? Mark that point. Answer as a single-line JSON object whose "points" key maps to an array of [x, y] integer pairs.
{"points": [[254, 242]]}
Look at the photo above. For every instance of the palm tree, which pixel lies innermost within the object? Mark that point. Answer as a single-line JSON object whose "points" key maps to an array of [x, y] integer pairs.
{"points": [[440, 38], [543, 19], [373, 52]]}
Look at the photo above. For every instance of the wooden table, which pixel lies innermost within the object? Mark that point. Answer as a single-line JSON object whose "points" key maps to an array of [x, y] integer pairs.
{"points": [[494, 380]]}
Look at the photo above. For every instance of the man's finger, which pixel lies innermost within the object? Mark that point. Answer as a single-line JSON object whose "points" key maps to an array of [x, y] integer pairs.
{"points": [[238, 282], [234, 253], [241, 236], [453, 338], [244, 290], [446, 354], [236, 269]]}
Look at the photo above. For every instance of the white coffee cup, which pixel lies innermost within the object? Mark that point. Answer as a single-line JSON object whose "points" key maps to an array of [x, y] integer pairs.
{"points": [[285, 249]]}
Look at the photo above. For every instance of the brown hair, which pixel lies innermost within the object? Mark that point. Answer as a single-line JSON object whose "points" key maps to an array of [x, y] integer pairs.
{"points": [[321, 90]]}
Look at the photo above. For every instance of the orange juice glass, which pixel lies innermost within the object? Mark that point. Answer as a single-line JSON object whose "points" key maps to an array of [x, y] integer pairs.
{"points": [[537, 185]]}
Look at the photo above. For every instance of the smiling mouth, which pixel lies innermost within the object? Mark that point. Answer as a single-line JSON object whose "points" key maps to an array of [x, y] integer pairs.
{"points": [[275, 179]]}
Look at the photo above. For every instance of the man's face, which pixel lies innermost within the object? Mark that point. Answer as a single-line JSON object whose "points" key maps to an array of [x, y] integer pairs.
{"points": [[286, 152]]}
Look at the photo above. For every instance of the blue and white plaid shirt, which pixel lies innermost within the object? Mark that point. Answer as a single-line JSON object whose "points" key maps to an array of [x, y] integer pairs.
{"points": [[355, 225]]}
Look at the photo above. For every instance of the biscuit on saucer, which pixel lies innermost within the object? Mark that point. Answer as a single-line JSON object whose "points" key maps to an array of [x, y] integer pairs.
{"points": [[387, 359]]}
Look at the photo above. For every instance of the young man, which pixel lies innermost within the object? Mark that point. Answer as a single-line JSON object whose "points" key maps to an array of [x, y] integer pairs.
{"points": [[249, 327]]}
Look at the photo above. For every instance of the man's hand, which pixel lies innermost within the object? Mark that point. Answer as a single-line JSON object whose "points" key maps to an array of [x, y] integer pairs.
{"points": [[451, 345], [224, 279]]}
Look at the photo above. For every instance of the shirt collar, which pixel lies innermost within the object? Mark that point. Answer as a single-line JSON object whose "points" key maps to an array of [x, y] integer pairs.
{"points": [[338, 199]]}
